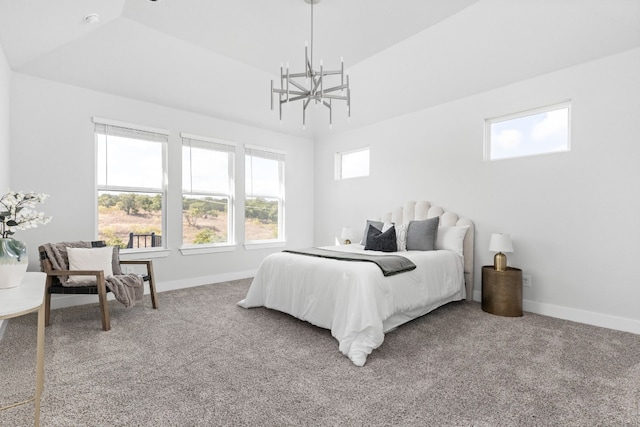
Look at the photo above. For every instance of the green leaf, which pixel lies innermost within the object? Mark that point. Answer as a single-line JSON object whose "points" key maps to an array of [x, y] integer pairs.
{"points": [[12, 223]]}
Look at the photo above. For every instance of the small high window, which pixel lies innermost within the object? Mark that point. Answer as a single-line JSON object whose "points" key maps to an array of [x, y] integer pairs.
{"points": [[352, 164], [540, 131]]}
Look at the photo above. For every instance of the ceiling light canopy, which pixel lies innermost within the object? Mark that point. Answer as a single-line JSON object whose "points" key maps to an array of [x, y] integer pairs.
{"points": [[320, 86], [92, 18]]}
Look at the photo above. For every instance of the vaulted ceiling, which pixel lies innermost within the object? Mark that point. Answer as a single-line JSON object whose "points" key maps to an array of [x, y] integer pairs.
{"points": [[217, 57]]}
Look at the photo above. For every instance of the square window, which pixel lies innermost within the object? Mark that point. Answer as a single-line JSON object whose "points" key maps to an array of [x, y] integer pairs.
{"points": [[352, 164]]}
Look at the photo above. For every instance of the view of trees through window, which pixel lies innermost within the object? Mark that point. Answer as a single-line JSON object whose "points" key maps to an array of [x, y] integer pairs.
{"points": [[123, 215], [205, 219], [131, 171], [129, 219], [261, 218], [264, 195]]}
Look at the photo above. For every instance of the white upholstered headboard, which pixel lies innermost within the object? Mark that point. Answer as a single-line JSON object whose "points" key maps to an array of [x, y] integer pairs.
{"points": [[423, 210]]}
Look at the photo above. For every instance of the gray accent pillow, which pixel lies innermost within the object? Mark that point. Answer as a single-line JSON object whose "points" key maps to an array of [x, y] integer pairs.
{"points": [[376, 224], [379, 241], [421, 235]]}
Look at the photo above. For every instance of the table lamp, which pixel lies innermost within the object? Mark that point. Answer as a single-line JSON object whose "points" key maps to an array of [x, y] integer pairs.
{"points": [[346, 235], [500, 243]]}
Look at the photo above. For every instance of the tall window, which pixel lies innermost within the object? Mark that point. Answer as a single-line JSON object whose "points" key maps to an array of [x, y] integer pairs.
{"points": [[130, 184], [207, 191], [264, 195], [540, 131], [352, 164]]}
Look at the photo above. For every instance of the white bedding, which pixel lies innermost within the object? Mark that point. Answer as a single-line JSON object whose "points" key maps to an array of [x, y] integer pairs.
{"points": [[353, 299]]}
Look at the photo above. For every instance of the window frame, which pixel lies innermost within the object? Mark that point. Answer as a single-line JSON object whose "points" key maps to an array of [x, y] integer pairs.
{"points": [[160, 251], [338, 166], [229, 245], [281, 158], [521, 114]]}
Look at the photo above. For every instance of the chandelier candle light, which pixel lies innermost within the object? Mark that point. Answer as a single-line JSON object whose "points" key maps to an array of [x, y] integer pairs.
{"points": [[312, 85]]}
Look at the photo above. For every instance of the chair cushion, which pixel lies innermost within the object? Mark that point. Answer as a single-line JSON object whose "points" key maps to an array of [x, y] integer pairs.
{"points": [[89, 259]]}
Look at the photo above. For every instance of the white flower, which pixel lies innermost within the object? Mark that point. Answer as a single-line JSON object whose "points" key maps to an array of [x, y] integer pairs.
{"points": [[16, 212]]}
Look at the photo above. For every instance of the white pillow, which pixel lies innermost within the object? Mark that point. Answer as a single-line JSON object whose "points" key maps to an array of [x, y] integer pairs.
{"points": [[401, 237], [451, 238], [90, 259]]}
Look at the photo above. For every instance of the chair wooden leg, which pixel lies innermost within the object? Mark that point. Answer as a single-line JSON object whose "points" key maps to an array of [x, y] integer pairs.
{"points": [[152, 285], [47, 308], [47, 301], [104, 304]]}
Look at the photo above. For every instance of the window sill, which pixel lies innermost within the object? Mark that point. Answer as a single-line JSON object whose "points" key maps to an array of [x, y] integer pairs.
{"points": [[197, 250], [144, 253], [264, 245]]}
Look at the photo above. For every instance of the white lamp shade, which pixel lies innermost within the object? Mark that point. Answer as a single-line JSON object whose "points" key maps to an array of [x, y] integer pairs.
{"points": [[347, 233], [500, 243]]}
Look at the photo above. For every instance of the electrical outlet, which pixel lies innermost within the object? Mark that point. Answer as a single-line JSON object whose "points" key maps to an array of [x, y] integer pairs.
{"points": [[526, 280]]}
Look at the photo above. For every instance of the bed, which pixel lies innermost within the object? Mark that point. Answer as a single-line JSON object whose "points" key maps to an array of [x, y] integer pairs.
{"points": [[355, 300]]}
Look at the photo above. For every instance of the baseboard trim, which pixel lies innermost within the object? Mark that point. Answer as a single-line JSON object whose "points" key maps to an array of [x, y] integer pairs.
{"points": [[576, 315]]}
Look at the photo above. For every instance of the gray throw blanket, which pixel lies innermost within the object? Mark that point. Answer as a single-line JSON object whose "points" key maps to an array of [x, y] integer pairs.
{"points": [[127, 288], [389, 264]]}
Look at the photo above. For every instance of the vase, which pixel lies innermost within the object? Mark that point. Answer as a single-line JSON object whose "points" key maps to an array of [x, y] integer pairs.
{"points": [[13, 262]]}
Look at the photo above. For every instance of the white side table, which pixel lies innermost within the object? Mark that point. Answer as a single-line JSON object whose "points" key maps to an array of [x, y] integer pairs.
{"points": [[27, 298]]}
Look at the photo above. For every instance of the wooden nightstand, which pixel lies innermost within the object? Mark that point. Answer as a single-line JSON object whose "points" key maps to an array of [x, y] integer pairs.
{"points": [[502, 291]]}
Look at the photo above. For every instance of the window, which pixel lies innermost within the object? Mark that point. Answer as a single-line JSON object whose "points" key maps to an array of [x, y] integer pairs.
{"points": [[264, 195], [352, 164], [130, 184], [539, 131], [207, 191]]}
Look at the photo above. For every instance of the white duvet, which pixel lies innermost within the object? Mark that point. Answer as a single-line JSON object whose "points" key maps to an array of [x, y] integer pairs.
{"points": [[353, 299]]}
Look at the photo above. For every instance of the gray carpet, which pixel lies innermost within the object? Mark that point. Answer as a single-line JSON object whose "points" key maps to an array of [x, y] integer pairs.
{"points": [[202, 361]]}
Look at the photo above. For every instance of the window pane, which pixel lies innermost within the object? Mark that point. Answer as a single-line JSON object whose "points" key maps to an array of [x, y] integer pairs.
{"points": [[543, 132], [205, 170], [262, 175], [354, 164], [261, 218], [205, 219], [130, 219], [129, 162], [264, 198]]}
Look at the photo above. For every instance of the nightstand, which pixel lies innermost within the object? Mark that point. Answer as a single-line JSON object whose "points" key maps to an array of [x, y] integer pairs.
{"points": [[502, 291]]}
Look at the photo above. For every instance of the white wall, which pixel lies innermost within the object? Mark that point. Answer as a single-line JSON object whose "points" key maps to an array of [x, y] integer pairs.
{"points": [[573, 216], [5, 89], [53, 153], [5, 85]]}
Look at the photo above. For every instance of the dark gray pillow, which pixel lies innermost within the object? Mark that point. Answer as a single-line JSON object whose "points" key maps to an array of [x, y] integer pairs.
{"points": [[421, 235], [379, 241], [375, 224]]}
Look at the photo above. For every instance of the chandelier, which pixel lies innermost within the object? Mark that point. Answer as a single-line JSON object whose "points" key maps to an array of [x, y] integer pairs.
{"points": [[312, 85]]}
